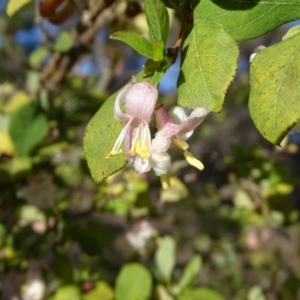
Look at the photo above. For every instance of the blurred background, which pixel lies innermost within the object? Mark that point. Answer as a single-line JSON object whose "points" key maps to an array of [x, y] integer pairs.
{"points": [[231, 231]]}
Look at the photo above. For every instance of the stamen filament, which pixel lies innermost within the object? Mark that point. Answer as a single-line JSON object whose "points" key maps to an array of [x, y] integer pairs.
{"points": [[165, 181], [181, 144]]}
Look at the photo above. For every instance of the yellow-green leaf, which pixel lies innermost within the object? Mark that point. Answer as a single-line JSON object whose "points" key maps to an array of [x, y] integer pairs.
{"points": [[6, 144], [209, 63], [274, 97], [19, 99], [101, 291], [14, 5]]}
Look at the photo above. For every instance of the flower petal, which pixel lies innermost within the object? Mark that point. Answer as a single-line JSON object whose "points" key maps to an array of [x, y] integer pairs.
{"points": [[162, 117], [121, 97], [140, 101], [185, 128], [161, 163]]}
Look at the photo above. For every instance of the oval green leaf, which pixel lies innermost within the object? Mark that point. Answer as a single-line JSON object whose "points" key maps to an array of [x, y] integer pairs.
{"points": [[190, 273], [165, 258], [245, 20], [28, 128], [63, 42], [274, 102], [140, 44], [134, 282], [157, 20], [100, 136], [209, 62]]}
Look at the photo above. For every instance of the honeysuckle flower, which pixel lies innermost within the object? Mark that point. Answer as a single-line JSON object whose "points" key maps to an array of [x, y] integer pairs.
{"points": [[139, 99], [140, 232], [33, 289], [174, 126]]}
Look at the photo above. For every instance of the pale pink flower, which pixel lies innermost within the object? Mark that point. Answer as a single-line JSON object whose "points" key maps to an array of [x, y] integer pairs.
{"points": [[139, 99], [139, 234], [174, 126]]}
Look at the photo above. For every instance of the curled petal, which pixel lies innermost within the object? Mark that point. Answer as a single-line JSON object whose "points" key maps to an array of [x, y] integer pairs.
{"points": [[140, 101], [121, 97], [186, 127]]}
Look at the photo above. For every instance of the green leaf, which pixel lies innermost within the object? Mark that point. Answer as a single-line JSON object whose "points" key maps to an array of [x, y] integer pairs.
{"points": [[151, 66], [102, 291], [201, 294], [38, 56], [134, 282], [14, 5], [274, 102], [165, 258], [28, 128], [63, 42], [190, 273], [67, 292], [245, 20], [292, 31], [157, 20], [158, 51], [100, 137], [209, 62], [17, 166], [256, 293], [140, 44]]}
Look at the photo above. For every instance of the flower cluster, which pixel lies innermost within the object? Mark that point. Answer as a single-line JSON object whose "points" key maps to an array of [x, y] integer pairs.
{"points": [[139, 100]]}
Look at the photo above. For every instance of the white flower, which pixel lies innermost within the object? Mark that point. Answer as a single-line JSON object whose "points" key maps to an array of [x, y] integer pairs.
{"points": [[174, 126], [33, 289], [139, 233]]}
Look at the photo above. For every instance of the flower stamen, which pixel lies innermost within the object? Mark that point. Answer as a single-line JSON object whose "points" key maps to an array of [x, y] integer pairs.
{"points": [[193, 161], [165, 181], [181, 144]]}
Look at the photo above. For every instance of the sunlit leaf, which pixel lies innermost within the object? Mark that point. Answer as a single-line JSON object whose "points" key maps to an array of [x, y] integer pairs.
{"points": [[165, 258], [190, 273], [6, 144], [38, 56], [274, 102], [245, 20], [157, 20], [133, 282], [67, 292], [102, 291], [28, 128], [17, 100], [136, 41], [64, 42], [14, 5], [209, 62]]}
